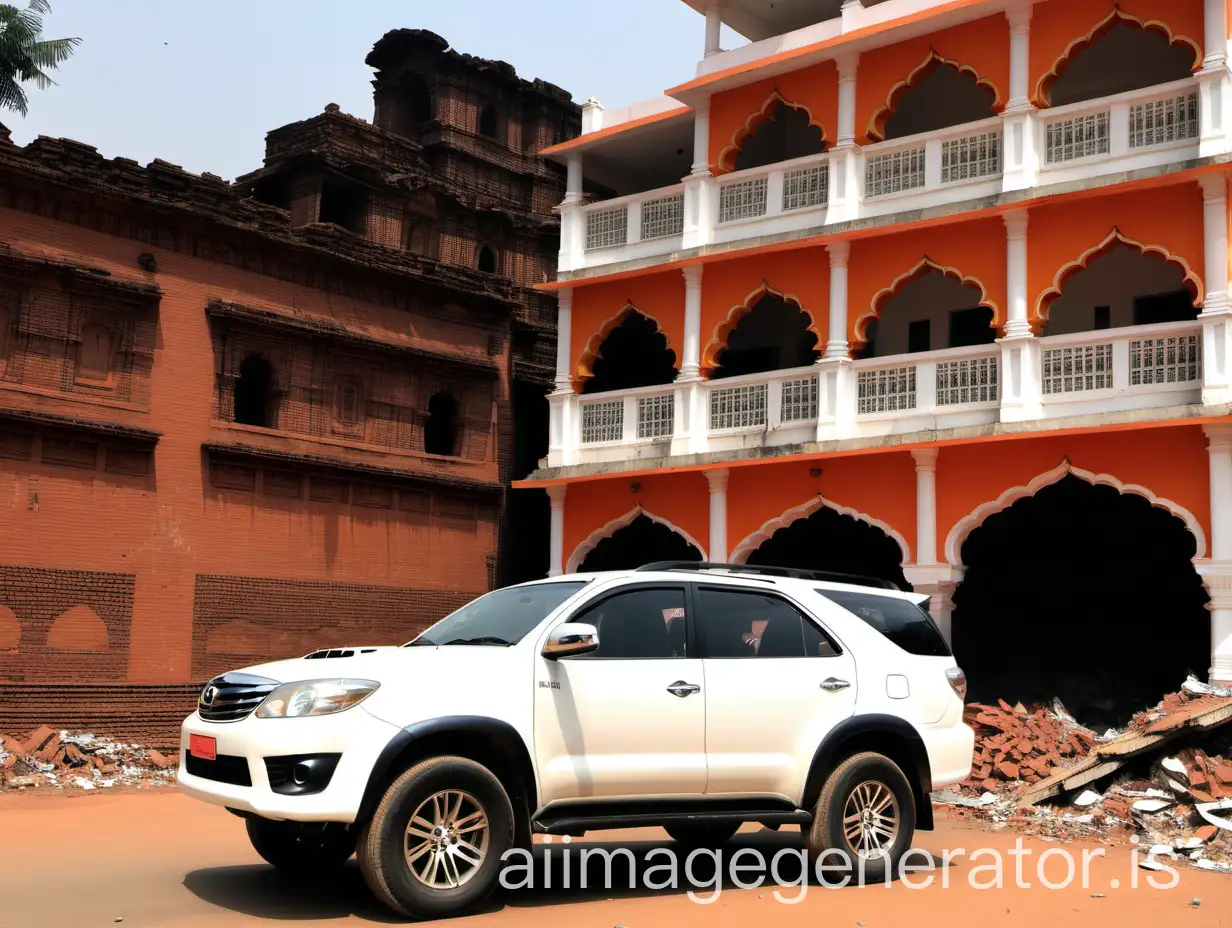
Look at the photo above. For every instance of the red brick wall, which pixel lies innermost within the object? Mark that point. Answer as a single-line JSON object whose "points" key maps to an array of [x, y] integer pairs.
{"points": [[164, 529]]}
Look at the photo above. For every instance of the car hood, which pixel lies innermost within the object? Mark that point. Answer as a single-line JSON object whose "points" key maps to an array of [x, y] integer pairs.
{"points": [[385, 664]]}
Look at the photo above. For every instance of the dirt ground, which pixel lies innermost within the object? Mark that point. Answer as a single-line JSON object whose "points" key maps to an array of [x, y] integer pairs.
{"points": [[156, 858]]}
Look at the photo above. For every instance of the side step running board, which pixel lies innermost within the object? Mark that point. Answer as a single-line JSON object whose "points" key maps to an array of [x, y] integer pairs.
{"points": [[574, 822]]}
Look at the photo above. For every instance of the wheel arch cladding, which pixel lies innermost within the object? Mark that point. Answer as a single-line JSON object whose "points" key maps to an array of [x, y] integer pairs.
{"points": [[885, 734], [492, 742]]}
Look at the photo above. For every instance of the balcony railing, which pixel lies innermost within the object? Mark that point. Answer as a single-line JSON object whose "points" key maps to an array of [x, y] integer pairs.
{"points": [[643, 217], [1078, 374]]}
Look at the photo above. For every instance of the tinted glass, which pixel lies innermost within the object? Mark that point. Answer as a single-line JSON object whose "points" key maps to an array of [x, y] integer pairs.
{"points": [[638, 624], [903, 622], [502, 616], [735, 623]]}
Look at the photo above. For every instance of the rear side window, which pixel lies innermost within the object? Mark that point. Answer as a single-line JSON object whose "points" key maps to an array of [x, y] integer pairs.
{"points": [[903, 622], [746, 623]]}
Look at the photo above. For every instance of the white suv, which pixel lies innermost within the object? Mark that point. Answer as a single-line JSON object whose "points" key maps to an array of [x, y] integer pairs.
{"points": [[692, 696]]}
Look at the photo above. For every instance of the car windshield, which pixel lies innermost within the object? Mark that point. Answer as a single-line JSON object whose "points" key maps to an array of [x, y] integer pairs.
{"points": [[501, 618]]}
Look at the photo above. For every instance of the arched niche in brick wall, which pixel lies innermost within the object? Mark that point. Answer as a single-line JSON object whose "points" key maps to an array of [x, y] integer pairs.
{"points": [[10, 631], [78, 629]]}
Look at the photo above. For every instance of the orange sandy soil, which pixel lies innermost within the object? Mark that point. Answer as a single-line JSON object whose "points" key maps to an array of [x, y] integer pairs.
{"points": [[157, 858]]}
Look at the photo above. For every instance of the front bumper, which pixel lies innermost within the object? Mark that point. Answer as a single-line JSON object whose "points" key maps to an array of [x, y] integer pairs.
{"points": [[949, 753], [355, 734]]}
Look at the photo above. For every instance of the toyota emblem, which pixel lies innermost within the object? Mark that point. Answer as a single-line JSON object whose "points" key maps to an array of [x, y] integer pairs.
{"points": [[210, 694]]}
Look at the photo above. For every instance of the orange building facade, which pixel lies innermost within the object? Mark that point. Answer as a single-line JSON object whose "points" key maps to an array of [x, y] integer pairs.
{"points": [[942, 297]]}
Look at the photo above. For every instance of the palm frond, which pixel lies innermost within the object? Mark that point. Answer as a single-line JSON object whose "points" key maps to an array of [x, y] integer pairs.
{"points": [[25, 55]]}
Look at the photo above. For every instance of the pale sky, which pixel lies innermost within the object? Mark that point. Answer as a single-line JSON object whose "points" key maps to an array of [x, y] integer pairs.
{"points": [[199, 82]]}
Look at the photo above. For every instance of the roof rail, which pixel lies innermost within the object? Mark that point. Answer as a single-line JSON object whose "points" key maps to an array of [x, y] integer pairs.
{"points": [[795, 573]]}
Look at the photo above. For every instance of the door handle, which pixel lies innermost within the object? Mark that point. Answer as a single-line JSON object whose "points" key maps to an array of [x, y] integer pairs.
{"points": [[682, 689], [833, 684]]}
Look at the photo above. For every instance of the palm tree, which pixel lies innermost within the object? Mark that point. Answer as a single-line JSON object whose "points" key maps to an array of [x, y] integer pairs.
{"points": [[24, 54]]}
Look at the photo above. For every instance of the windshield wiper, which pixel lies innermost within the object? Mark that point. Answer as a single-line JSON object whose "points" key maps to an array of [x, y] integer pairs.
{"points": [[482, 639], [420, 643]]}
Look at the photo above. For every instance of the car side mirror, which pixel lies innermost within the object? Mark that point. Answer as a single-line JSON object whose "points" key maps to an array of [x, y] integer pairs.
{"points": [[570, 639]]}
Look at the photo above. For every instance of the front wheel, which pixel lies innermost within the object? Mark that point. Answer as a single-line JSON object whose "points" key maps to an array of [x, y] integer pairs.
{"points": [[301, 848], [433, 847], [867, 813]]}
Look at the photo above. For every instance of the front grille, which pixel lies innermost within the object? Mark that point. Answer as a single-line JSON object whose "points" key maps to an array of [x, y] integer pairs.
{"points": [[223, 769], [234, 696]]}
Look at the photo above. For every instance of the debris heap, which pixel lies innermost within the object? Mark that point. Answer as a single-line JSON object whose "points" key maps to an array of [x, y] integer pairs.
{"points": [[80, 760], [1014, 744]]}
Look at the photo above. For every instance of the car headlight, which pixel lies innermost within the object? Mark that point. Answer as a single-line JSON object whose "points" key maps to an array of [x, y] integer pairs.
{"points": [[315, 697]]}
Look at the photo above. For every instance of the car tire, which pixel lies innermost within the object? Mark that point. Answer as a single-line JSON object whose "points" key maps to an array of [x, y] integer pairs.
{"points": [[418, 868], [703, 834], [873, 787], [302, 848]]}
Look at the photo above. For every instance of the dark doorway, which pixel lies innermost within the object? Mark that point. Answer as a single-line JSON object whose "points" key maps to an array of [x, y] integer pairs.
{"points": [[944, 97], [642, 541], [971, 327], [1083, 594], [487, 122], [919, 335], [784, 135], [634, 354], [441, 429], [254, 389], [1176, 306], [487, 259], [774, 335], [1125, 57], [527, 534], [831, 540]]}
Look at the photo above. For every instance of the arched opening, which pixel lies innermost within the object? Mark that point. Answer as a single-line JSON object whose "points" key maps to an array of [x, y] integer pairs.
{"points": [[634, 354], [930, 311], [784, 134], [487, 121], [486, 261], [1083, 593], [441, 427], [349, 403], [1120, 286], [1120, 55], [417, 99], [827, 539], [254, 393], [773, 335], [10, 631], [642, 541], [78, 629], [936, 97], [96, 356]]}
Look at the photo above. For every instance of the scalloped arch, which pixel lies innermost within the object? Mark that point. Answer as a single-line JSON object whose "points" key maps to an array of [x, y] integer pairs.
{"points": [[922, 267], [593, 350], [1043, 305], [876, 123], [968, 523], [723, 330], [741, 553], [727, 157], [591, 541], [1043, 87]]}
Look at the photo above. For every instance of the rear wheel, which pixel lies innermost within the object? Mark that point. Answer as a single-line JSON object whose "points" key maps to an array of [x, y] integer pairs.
{"points": [[301, 848], [703, 834], [867, 812], [433, 847]]}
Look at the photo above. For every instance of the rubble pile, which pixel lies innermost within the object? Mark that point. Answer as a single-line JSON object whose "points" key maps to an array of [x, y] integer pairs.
{"points": [[1165, 781], [79, 760], [1016, 745]]}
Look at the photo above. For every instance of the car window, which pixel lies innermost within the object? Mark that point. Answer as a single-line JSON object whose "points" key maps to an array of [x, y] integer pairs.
{"points": [[749, 623], [900, 620], [641, 623], [502, 617]]}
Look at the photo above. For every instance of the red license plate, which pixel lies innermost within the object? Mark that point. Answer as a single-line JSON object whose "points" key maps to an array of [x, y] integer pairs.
{"points": [[203, 746]]}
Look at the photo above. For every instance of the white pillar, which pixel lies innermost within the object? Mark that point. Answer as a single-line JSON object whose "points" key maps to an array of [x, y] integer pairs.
{"points": [[1019, 136], [690, 355], [1216, 315], [836, 345], [556, 550], [1020, 387], [1215, 91], [938, 582], [845, 155], [717, 479], [572, 221], [1216, 571], [714, 28], [850, 11], [592, 116], [699, 185], [925, 505], [564, 336]]}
